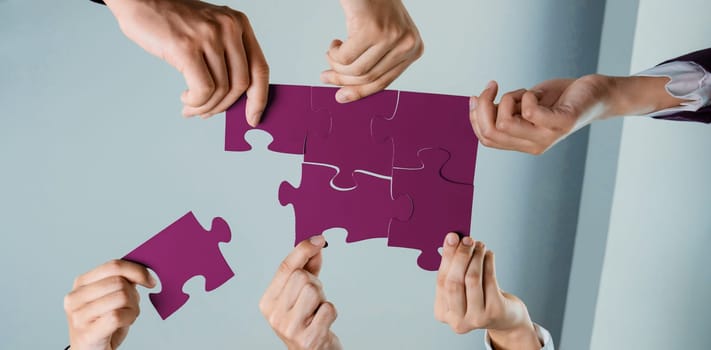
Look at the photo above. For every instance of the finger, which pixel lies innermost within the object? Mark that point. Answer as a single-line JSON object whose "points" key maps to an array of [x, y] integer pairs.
{"points": [[131, 271], [198, 78], [473, 280], [238, 71], [366, 62], [324, 318], [486, 114], [456, 293], [354, 93], [126, 298], [306, 304], [297, 259], [258, 90], [216, 63], [313, 266], [107, 324], [297, 281], [345, 53], [490, 284], [448, 248], [93, 291], [538, 114], [509, 120]]}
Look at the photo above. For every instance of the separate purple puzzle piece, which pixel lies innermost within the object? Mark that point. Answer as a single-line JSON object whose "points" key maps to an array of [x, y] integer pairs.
{"points": [[365, 212], [350, 145], [439, 207], [431, 121], [180, 252], [288, 118]]}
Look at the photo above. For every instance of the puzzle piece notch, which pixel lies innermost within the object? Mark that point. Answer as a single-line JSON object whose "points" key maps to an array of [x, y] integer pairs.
{"points": [[350, 145], [180, 252], [364, 212], [439, 207], [288, 118], [431, 121]]}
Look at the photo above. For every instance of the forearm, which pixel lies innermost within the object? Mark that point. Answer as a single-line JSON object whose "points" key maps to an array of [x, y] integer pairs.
{"points": [[639, 95]]}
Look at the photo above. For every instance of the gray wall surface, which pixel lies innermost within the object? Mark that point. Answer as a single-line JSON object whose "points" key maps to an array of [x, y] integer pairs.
{"points": [[94, 159], [656, 280]]}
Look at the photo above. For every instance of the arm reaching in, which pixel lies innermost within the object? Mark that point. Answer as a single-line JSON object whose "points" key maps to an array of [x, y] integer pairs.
{"points": [[295, 305], [534, 120], [382, 42], [468, 297], [213, 47], [103, 304]]}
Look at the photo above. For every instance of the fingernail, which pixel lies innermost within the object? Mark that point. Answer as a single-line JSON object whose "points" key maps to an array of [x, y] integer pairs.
{"points": [[467, 241], [452, 239], [473, 103], [152, 281], [343, 96], [490, 84], [318, 241], [253, 119]]}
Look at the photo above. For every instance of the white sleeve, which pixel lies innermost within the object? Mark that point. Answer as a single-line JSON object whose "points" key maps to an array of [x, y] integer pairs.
{"points": [[543, 336], [688, 81]]}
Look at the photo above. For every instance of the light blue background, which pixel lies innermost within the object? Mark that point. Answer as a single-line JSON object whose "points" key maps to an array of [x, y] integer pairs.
{"points": [[94, 159]]}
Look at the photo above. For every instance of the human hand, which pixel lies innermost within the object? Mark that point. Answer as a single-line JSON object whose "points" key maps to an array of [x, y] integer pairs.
{"points": [[382, 42], [534, 120], [468, 297], [214, 47], [295, 305], [103, 304]]}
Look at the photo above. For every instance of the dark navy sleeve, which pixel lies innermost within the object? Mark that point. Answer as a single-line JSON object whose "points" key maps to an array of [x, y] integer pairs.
{"points": [[703, 59]]}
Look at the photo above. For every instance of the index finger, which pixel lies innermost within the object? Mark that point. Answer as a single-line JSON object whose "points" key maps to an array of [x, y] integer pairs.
{"points": [[133, 272], [297, 259]]}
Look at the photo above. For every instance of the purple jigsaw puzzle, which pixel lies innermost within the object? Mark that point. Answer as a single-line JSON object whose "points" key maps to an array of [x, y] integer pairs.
{"points": [[365, 212], [288, 118], [180, 252], [350, 145], [439, 207], [431, 121]]}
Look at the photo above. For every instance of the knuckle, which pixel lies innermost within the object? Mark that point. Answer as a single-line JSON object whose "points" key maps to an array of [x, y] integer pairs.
{"points": [[453, 284], [113, 318], [285, 267], [472, 278], [68, 300], [503, 124], [116, 282]]}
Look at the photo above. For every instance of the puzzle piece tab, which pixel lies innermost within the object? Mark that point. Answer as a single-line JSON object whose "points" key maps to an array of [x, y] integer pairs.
{"points": [[350, 145], [365, 212], [180, 252], [439, 207], [431, 121], [288, 118]]}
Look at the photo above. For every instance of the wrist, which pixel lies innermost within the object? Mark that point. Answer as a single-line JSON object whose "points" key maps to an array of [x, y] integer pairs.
{"points": [[639, 95], [522, 337]]}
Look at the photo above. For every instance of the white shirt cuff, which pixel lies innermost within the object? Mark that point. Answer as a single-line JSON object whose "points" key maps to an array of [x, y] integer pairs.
{"points": [[543, 336], [688, 81]]}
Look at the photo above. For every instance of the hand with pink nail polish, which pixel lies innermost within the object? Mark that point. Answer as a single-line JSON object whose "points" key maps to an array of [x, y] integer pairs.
{"points": [[213, 47], [382, 42], [468, 297], [295, 305]]}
